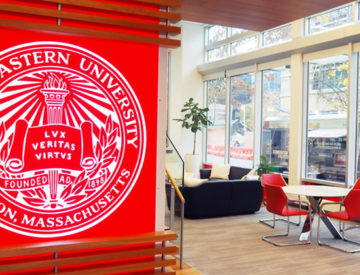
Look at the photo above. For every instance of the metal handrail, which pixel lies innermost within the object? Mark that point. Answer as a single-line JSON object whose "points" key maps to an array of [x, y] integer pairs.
{"points": [[182, 200], [177, 152], [178, 192], [181, 159]]}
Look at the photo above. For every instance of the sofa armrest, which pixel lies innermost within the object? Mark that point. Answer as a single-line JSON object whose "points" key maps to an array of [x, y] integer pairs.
{"points": [[205, 173]]}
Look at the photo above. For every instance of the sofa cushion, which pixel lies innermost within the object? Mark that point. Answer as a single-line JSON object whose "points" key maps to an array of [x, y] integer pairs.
{"points": [[205, 173], [216, 199], [220, 172], [238, 172]]}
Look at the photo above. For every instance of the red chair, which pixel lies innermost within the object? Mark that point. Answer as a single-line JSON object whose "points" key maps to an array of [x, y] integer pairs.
{"points": [[350, 213], [274, 179], [340, 200], [278, 203], [357, 184]]}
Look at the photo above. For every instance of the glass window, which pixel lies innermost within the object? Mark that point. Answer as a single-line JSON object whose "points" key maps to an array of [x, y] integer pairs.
{"points": [[245, 45], [358, 129], [330, 19], [237, 31], [216, 102], [326, 118], [276, 117], [276, 36], [216, 33], [217, 53], [242, 120]]}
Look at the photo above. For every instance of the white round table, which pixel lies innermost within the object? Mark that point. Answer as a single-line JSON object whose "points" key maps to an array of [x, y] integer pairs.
{"points": [[315, 193], [316, 190]]}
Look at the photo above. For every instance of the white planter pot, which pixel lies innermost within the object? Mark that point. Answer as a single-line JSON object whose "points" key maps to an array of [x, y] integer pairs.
{"points": [[192, 164]]}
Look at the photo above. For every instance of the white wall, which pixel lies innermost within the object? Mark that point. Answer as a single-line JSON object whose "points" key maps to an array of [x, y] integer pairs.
{"points": [[161, 142], [185, 82]]}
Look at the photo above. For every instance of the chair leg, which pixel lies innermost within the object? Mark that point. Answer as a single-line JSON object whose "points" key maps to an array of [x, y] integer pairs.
{"points": [[352, 227], [343, 238], [340, 229], [274, 219], [268, 237]]}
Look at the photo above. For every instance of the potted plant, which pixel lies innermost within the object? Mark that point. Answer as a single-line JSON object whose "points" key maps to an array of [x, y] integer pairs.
{"points": [[265, 167], [195, 119]]}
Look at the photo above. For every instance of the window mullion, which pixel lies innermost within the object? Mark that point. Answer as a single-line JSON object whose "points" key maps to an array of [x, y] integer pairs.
{"points": [[351, 122], [304, 162], [205, 135], [227, 119], [258, 117]]}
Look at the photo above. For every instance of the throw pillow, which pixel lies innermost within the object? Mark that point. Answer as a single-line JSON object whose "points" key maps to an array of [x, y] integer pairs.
{"points": [[193, 182], [220, 172], [253, 172]]}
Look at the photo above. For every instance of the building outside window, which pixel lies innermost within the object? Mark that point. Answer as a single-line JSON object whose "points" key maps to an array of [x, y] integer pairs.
{"points": [[276, 116], [327, 118], [216, 102], [242, 120]]}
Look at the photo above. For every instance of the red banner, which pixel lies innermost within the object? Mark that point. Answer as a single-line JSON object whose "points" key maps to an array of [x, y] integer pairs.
{"points": [[50, 146], [78, 130]]}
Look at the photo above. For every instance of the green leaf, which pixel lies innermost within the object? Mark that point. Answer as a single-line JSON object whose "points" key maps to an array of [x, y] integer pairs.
{"points": [[195, 118]]}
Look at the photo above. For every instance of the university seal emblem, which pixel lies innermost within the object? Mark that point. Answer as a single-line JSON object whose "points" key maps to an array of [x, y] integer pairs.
{"points": [[72, 139]]}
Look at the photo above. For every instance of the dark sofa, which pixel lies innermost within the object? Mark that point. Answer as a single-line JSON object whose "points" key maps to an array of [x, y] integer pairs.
{"points": [[215, 198]]}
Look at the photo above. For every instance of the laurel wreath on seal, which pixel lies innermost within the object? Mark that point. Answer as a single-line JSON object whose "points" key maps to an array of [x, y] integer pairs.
{"points": [[105, 153]]}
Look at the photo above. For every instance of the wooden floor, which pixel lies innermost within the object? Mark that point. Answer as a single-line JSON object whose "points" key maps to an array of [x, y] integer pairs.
{"points": [[186, 270], [233, 245]]}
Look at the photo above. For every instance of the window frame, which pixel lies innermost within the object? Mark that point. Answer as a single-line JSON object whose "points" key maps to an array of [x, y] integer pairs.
{"points": [[285, 63], [205, 134], [234, 74], [351, 122]]}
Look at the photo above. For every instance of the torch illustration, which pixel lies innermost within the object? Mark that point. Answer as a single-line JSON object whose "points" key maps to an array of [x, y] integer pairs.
{"points": [[54, 90]]}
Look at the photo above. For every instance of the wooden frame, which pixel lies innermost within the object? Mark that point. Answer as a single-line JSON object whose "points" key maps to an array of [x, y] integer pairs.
{"points": [[119, 8], [139, 23], [100, 255]]}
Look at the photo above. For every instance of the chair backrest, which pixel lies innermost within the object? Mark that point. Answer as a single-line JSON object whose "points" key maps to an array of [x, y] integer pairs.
{"points": [[352, 204], [276, 198], [357, 184], [272, 179]]}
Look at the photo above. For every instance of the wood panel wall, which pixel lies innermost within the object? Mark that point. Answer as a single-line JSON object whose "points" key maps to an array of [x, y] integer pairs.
{"points": [[255, 15]]}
